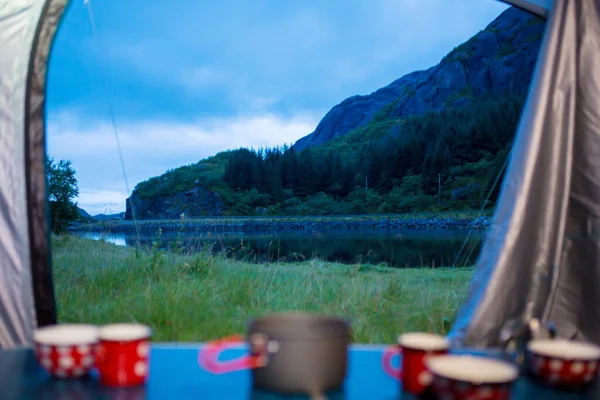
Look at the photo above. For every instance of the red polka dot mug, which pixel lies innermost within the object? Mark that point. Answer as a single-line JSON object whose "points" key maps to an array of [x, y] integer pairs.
{"points": [[415, 348], [122, 356], [559, 362], [66, 350], [461, 377]]}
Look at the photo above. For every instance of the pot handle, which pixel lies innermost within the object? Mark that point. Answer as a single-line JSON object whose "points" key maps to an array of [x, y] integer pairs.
{"points": [[208, 356], [386, 361]]}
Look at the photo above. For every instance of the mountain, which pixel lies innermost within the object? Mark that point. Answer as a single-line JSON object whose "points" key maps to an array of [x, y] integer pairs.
{"points": [[432, 140], [497, 60], [84, 216], [109, 217]]}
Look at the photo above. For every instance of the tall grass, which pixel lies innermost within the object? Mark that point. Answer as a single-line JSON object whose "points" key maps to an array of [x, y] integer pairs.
{"points": [[202, 296]]}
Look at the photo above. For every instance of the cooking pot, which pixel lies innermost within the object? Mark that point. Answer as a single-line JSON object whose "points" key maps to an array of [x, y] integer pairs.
{"points": [[289, 352], [260, 394]]}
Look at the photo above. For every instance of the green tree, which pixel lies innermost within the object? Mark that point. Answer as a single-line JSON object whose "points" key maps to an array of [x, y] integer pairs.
{"points": [[62, 189]]}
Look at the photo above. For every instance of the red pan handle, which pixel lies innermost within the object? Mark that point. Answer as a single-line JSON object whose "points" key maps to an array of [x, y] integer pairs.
{"points": [[208, 357]]}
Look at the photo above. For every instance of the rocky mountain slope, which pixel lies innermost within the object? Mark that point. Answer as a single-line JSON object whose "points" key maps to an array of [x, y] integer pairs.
{"points": [[196, 201], [498, 59]]}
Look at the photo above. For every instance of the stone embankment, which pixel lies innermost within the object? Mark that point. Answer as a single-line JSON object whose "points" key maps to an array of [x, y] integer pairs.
{"points": [[290, 224]]}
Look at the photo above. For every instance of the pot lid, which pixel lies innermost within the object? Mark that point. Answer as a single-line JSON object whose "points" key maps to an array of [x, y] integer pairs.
{"points": [[300, 326]]}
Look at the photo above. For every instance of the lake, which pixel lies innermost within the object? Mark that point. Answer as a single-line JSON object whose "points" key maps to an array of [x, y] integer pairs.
{"points": [[405, 248]]}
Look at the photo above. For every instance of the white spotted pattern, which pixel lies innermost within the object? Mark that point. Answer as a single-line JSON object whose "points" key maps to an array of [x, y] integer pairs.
{"points": [[140, 368], [66, 362], [577, 368], [556, 365], [64, 350], [425, 378], [45, 349], [83, 349], [142, 349]]}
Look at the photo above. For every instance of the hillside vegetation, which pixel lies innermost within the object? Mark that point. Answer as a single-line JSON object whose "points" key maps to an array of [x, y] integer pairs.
{"points": [[452, 150], [434, 140]]}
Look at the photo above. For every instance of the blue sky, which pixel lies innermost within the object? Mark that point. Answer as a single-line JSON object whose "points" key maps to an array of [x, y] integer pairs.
{"points": [[190, 78]]}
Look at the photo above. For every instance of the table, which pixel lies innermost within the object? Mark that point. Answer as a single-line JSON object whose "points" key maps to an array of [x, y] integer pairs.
{"points": [[175, 374]]}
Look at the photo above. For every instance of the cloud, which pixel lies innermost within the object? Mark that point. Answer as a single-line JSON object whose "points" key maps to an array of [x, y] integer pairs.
{"points": [[151, 147], [101, 201], [204, 77], [303, 52]]}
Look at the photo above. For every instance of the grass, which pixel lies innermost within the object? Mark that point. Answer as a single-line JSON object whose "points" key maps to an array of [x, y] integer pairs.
{"points": [[200, 296]]}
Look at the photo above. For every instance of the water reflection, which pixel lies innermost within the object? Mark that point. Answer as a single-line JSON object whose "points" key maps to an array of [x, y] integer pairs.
{"points": [[407, 248], [120, 239]]}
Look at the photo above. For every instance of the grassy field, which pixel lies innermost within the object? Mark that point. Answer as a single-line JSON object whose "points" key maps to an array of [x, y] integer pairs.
{"points": [[202, 297]]}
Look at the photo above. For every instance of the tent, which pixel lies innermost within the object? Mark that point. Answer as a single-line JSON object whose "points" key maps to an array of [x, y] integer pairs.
{"points": [[27, 28], [532, 263], [541, 257]]}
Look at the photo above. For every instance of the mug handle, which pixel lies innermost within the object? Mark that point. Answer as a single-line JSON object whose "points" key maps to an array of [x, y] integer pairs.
{"points": [[208, 357], [386, 361], [99, 356]]}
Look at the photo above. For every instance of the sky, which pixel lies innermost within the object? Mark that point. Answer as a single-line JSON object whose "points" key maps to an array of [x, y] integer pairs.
{"points": [[186, 79]]}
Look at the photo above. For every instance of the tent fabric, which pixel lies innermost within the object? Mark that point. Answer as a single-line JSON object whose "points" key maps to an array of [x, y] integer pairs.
{"points": [[35, 134], [541, 8], [26, 298], [17, 29], [541, 257]]}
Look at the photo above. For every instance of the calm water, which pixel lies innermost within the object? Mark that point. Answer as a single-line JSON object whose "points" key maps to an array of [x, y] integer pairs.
{"points": [[407, 248]]}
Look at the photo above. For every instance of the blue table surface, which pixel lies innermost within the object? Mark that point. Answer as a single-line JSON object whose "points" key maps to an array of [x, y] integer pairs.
{"points": [[176, 374]]}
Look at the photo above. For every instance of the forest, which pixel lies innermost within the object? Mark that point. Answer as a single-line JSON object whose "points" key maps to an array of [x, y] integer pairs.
{"points": [[439, 161]]}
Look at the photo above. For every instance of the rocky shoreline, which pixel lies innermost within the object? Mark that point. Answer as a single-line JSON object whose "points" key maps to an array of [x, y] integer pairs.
{"points": [[279, 225]]}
